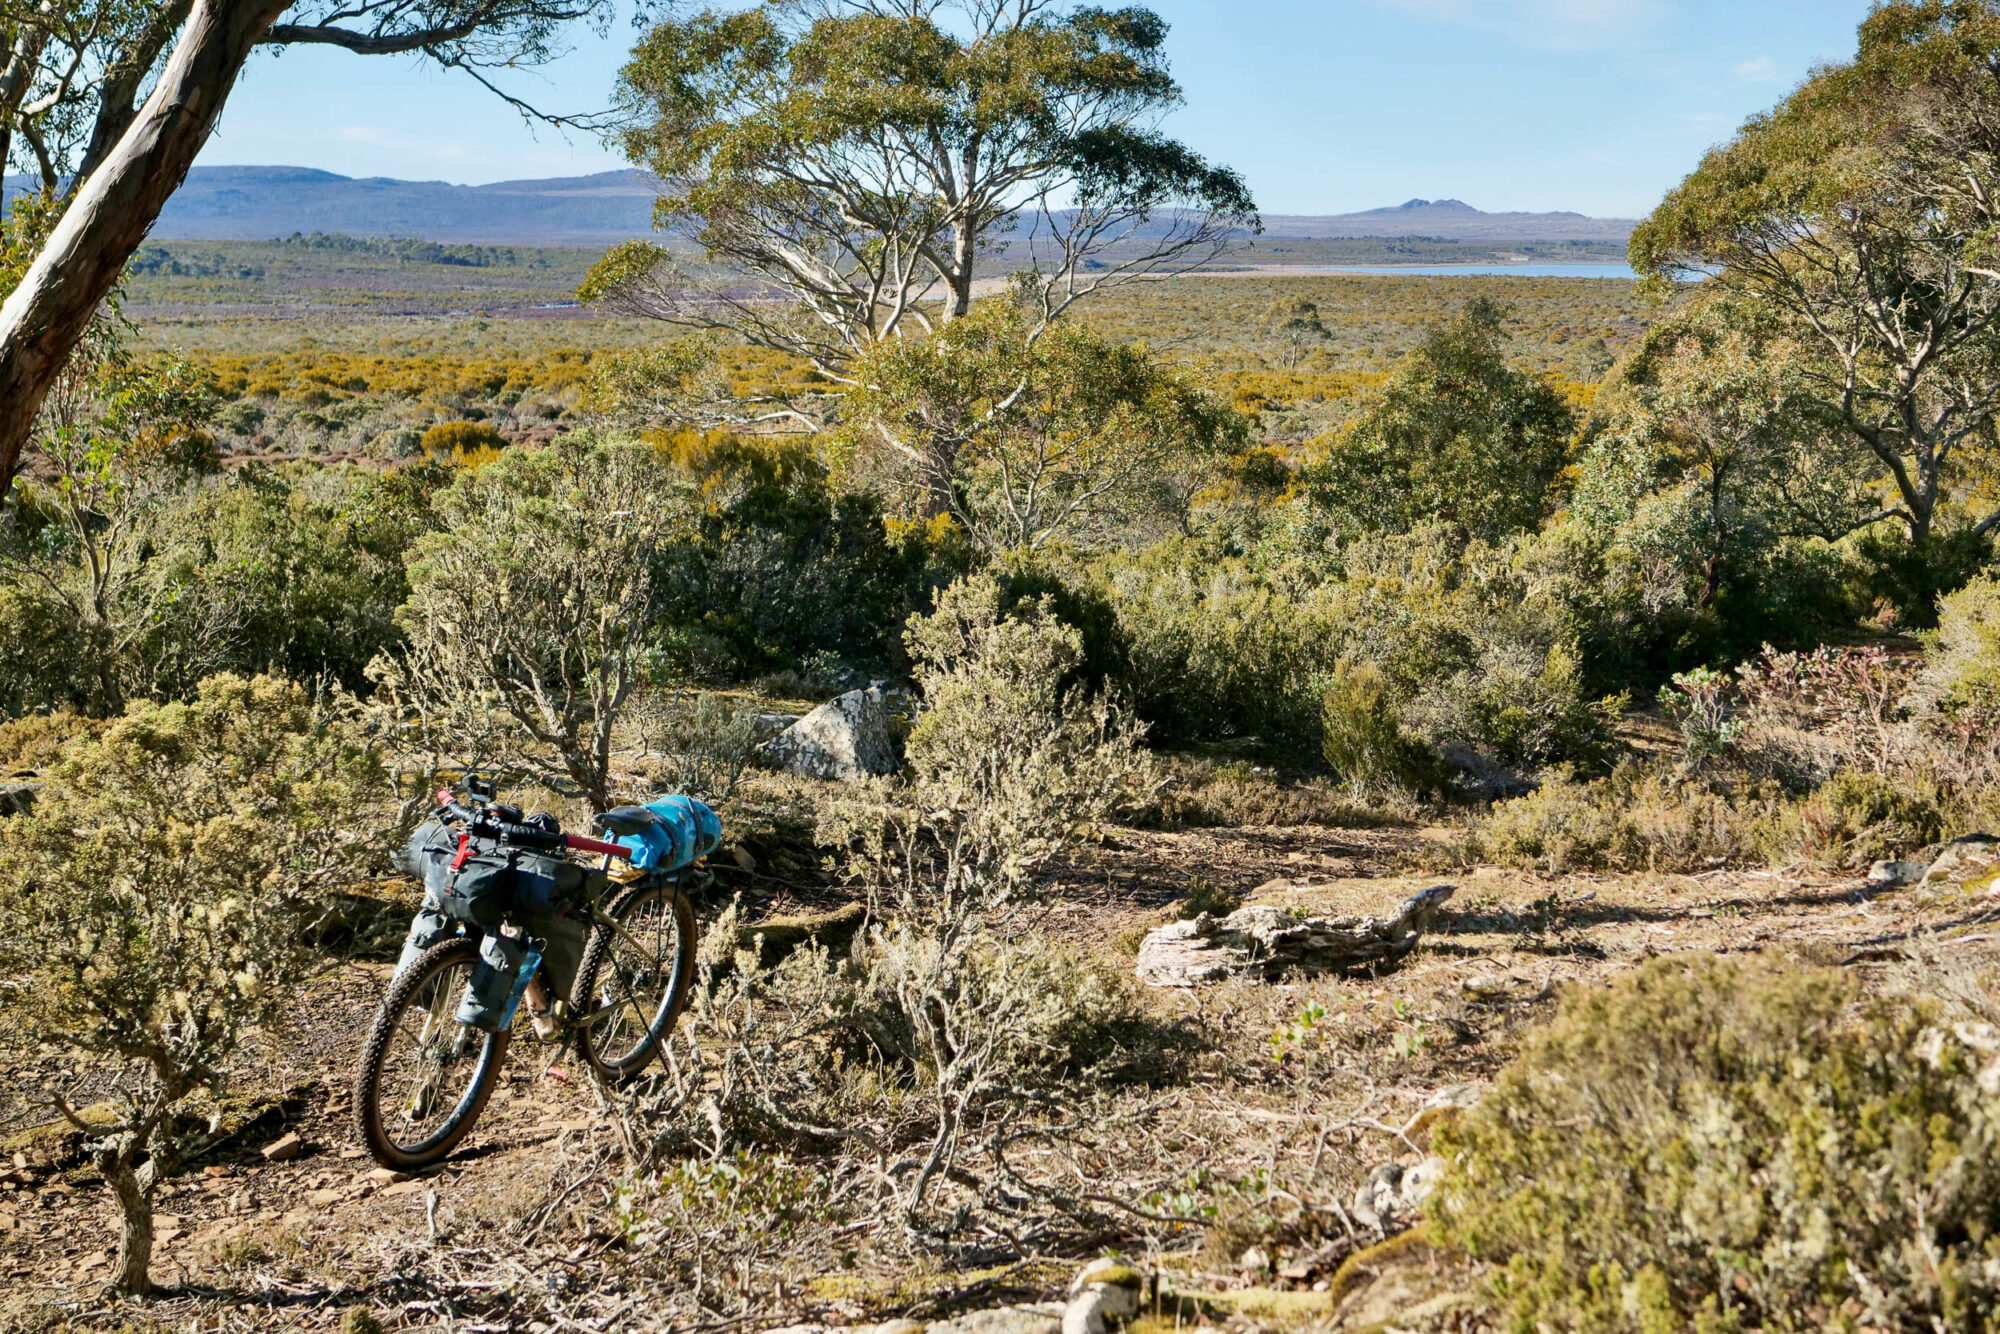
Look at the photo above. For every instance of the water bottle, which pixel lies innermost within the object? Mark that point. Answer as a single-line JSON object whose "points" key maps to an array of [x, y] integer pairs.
{"points": [[524, 975]]}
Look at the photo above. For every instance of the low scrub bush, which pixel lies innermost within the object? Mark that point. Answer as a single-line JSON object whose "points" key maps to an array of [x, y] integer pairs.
{"points": [[1858, 818], [153, 907], [1632, 819], [1362, 737], [1962, 656], [461, 440], [1237, 794], [1640, 818], [780, 568], [1719, 1145]]}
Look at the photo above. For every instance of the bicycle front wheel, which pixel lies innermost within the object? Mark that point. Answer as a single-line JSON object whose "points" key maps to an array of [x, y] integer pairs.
{"points": [[632, 983], [424, 1077]]}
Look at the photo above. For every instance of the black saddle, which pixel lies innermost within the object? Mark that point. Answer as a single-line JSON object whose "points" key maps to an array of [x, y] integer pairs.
{"points": [[626, 820]]}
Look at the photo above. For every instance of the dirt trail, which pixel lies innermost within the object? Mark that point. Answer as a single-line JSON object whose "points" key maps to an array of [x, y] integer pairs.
{"points": [[245, 1243]]}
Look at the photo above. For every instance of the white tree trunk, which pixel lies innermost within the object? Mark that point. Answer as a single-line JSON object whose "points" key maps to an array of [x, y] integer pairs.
{"points": [[48, 313]]}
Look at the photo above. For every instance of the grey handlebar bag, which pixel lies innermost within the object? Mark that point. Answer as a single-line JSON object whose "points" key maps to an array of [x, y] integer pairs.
{"points": [[493, 883]]}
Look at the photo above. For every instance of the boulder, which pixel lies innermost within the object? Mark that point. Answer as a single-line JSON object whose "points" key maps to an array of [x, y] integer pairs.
{"points": [[1033, 1318], [1971, 860], [1106, 1290], [1892, 874], [18, 798], [846, 738], [1261, 941]]}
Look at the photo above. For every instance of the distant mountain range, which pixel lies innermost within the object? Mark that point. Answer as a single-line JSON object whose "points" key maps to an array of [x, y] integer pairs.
{"points": [[259, 203], [1450, 220]]}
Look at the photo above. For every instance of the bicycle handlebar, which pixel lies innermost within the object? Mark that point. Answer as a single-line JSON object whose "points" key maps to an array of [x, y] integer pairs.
{"points": [[526, 835]]}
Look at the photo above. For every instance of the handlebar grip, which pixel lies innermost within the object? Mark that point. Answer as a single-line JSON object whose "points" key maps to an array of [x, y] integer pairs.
{"points": [[527, 835]]}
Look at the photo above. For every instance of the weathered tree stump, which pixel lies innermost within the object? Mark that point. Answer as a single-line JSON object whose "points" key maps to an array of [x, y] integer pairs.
{"points": [[1261, 941]]}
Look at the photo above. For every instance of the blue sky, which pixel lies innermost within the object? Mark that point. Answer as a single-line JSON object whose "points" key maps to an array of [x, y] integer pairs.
{"points": [[1326, 106]]}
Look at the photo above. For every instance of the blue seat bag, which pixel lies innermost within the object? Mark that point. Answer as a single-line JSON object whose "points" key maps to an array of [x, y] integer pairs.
{"points": [[684, 830]]}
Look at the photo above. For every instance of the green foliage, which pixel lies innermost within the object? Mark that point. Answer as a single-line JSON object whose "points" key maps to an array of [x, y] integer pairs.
{"points": [[779, 566], [1215, 651], [1460, 437], [1004, 743], [532, 606], [1857, 818], [671, 384], [764, 118], [1699, 702], [1030, 435], [1913, 577], [1631, 819], [404, 250], [1855, 216], [1362, 736], [1296, 322], [1637, 818], [1962, 656], [1718, 483], [1719, 1145], [297, 570], [153, 906]]}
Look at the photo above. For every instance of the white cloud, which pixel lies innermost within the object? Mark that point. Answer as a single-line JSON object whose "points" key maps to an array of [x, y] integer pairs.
{"points": [[1573, 24], [1761, 70]]}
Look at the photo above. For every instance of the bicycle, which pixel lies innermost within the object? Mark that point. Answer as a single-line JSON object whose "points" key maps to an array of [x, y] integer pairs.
{"points": [[425, 1076]]}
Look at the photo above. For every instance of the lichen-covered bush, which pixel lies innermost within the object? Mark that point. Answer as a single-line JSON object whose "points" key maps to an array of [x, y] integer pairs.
{"points": [[154, 905], [1714, 1145], [1631, 819], [1963, 654]]}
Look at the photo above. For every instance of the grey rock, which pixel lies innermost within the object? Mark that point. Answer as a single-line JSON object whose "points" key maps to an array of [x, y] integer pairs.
{"points": [[1377, 1202], [1419, 1181], [846, 738], [1896, 873], [1974, 857], [1090, 1310], [1261, 941], [768, 725], [1034, 1318], [18, 798]]}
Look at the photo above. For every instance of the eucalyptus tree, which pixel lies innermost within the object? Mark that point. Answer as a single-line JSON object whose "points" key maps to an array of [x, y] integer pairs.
{"points": [[1860, 214], [107, 102], [856, 165]]}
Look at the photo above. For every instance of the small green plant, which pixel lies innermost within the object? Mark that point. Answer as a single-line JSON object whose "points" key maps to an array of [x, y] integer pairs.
{"points": [[1295, 1034], [1699, 702], [1412, 1038], [1205, 896]]}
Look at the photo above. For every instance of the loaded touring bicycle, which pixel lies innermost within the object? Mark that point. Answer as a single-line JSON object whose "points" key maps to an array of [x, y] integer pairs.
{"points": [[603, 951]]}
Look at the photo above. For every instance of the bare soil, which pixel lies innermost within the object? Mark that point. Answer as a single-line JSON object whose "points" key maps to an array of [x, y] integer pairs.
{"points": [[510, 1234]]}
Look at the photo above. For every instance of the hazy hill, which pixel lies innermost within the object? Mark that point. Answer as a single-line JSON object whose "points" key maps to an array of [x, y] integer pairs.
{"points": [[257, 203], [1451, 220]]}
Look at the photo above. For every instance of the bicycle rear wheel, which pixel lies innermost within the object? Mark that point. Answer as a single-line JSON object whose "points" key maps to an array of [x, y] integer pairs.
{"points": [[424, 1077], [633, 983]]}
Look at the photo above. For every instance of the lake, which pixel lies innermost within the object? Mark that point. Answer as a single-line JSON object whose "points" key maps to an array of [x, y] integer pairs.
{"points": [[1623, 271]]}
